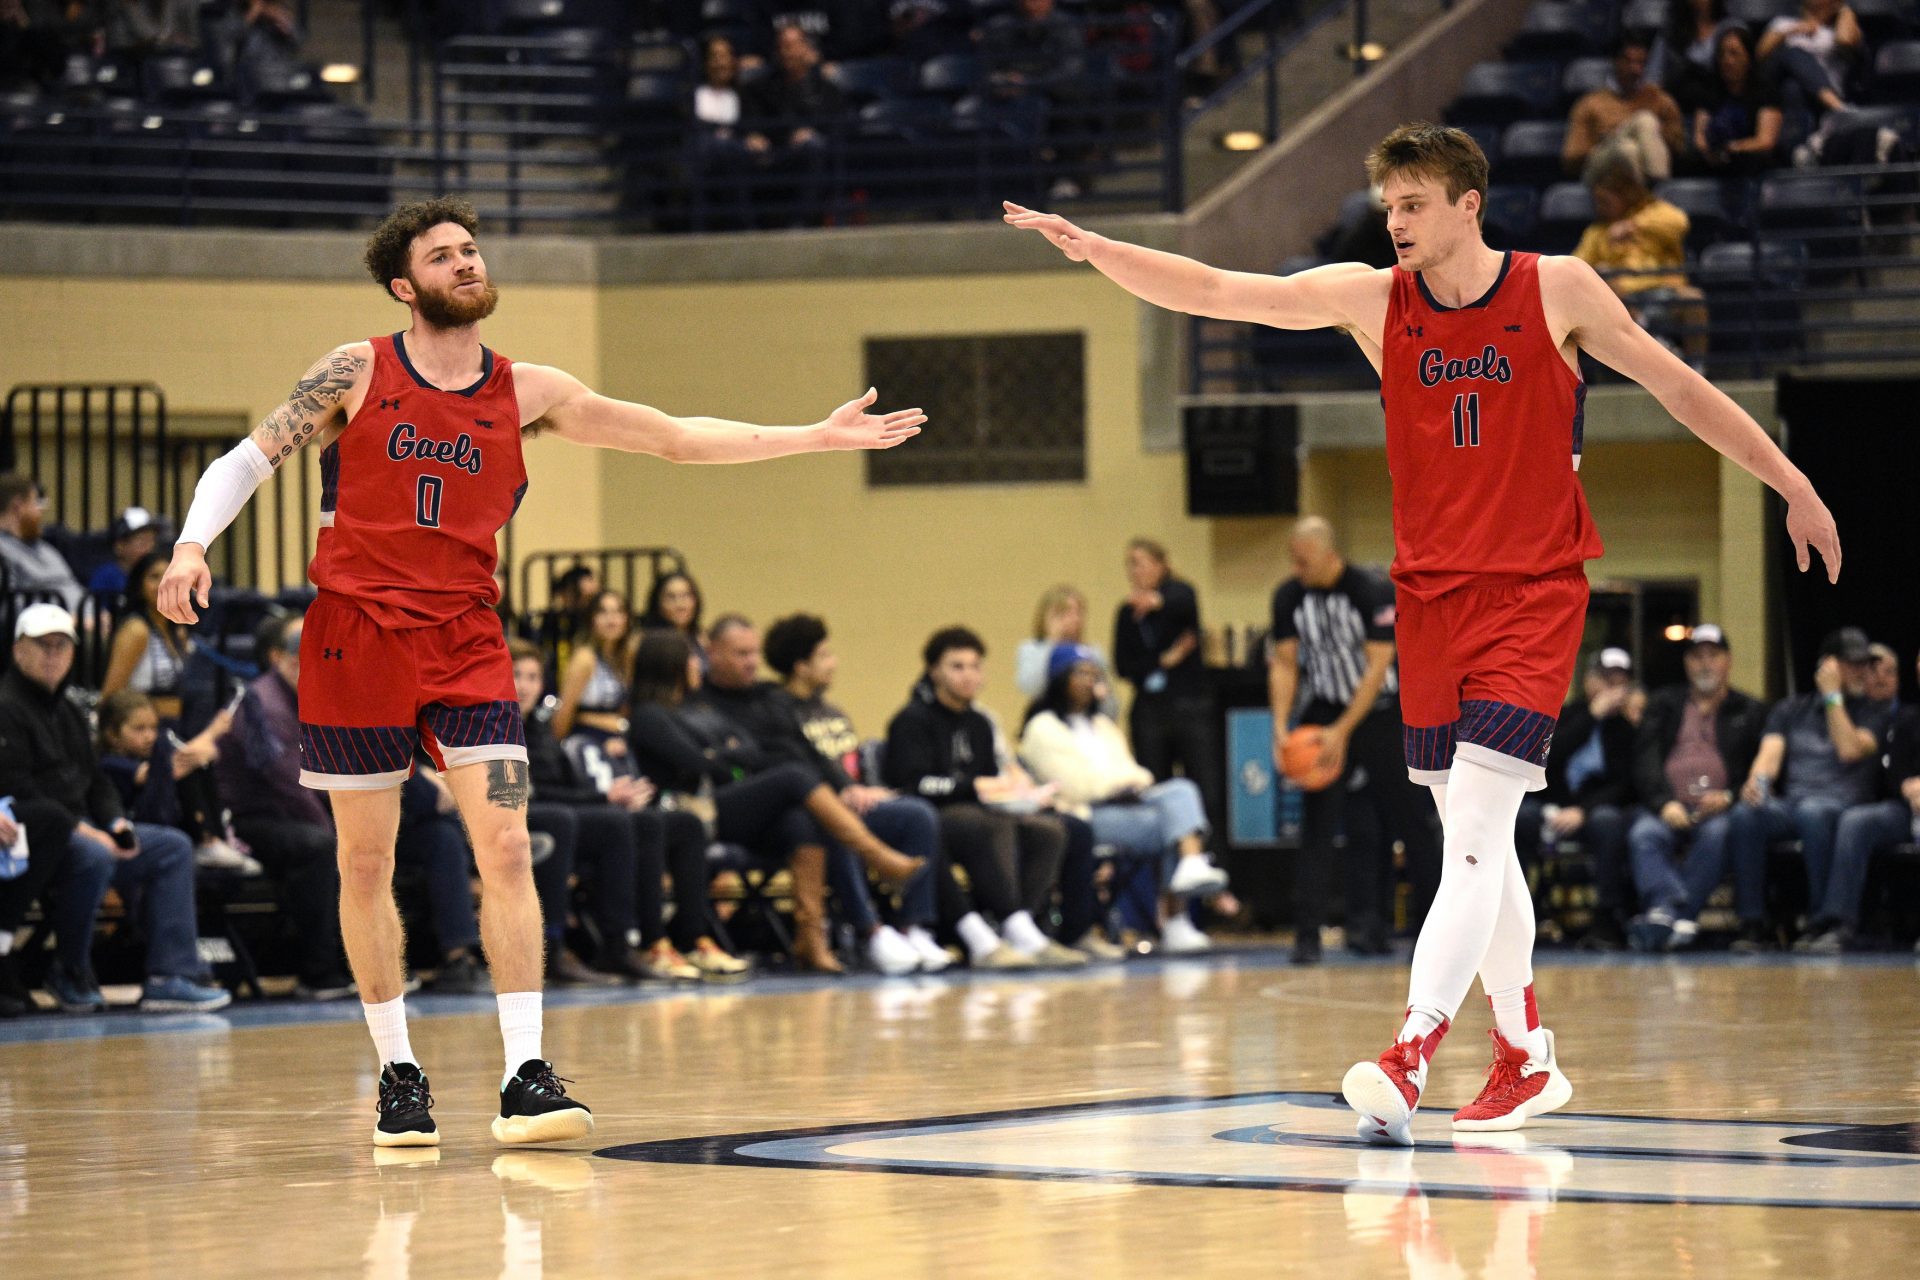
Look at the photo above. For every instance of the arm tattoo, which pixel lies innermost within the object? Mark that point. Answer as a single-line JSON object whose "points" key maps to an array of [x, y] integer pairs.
{"points": [[314, 401], [507, 784]]}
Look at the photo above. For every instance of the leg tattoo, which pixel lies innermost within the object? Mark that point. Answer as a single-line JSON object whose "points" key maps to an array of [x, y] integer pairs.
{"points": [[507, 784]]}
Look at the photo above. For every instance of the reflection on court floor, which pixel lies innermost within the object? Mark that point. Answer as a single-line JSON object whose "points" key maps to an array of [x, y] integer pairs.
{"points": [[1306, 1142]]}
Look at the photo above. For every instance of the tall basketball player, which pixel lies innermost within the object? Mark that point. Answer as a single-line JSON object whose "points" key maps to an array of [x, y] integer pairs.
{"points": [[1477, 352], [421, 436]]}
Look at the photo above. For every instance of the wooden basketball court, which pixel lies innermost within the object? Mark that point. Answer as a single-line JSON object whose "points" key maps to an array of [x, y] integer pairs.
{"points": [[1729, 1118]]}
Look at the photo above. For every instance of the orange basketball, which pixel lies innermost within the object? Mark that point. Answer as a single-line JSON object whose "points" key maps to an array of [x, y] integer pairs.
{"points": [[1300, 760]]}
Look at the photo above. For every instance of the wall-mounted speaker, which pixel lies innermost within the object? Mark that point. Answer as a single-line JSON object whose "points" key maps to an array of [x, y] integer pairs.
{"points": [[1242, 459]]}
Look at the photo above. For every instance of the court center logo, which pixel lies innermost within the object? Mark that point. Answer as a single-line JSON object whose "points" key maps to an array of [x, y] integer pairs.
{"points": [[1306, 1142]]}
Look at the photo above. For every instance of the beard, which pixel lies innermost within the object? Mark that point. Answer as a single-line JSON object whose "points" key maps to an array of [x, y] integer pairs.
{"points": [[451, 309]]}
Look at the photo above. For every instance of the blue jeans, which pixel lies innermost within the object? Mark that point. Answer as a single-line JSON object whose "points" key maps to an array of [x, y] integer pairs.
{"points": [[157, 885], [1680, 889], [435, 843], [1753, 827], [1864, 829], [1153, 826], [75, 896], [906, 823]]}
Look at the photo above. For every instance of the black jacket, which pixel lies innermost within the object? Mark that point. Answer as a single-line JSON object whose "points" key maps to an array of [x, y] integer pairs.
{"points": [[767, 716], [1138, 643], [1902, 757], [1738, 727], [46, 753], [1612, 785], [935, 752], [680, 747], [555, 780]]}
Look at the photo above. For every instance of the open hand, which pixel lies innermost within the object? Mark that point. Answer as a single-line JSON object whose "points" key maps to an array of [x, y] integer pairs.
{"points": [[1809, 525], [1063, 235], [852, 427], [188, 581]]}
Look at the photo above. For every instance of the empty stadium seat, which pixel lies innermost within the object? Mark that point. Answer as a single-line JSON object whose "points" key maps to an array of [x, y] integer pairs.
{"points": [[1884, 21], [1756, 14], [1896, 72], [1566, 210], [1511, 216], [1582, 77], [1704, 202], [1530, 151], [951, 74], [1488, 136], [1646, 17], [1553, 31], [864, 79], [177, 79], [1750, 298], [1501, 91]]}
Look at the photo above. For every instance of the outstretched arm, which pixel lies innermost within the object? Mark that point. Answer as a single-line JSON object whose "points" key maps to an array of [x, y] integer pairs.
{"points": [[1324, 297], [552, 400], [1597, 321], [316, 404]]}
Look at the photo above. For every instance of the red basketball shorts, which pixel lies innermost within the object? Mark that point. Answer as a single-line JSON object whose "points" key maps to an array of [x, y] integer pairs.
{"points": [[1484, 671], [370, 696]]}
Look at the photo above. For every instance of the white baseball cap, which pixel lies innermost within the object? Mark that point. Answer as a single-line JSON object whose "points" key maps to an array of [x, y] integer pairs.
{"points": [[38, 620]]}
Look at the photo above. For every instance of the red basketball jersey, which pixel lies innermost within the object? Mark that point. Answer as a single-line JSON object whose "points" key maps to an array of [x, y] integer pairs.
{"points": [[1484, 420], [415, 489]]}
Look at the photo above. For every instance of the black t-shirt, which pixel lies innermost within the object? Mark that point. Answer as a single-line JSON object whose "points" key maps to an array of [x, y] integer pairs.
{"points": [[1333, 626]]}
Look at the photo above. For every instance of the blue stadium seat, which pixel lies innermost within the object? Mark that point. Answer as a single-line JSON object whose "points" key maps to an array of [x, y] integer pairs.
{"points": [[1502, 91], [1553, 31], [1808, 199], [1896, 72], [1884, 21], [951, 74], [1566, 210], [1756, 14], [1488, 136], [1750, 298], [864, 79], [900, 119], [1512, 213], [1583, 76], [1646, 17], [542, 16], [1704, 202], [1900, 119], [1530, 152]]}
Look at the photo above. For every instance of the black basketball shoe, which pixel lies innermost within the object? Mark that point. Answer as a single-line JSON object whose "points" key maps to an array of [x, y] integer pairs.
{"points": [[405, 1109], [534, 1107]]}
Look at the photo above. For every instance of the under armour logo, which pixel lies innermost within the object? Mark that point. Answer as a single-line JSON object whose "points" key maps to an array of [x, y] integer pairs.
{"points": [[1513, 328], [1416, 331], [390, 404], [486, 423], [333, 653]]}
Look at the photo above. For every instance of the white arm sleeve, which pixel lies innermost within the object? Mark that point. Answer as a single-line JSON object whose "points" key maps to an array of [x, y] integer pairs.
{"points": [[223, 490]]}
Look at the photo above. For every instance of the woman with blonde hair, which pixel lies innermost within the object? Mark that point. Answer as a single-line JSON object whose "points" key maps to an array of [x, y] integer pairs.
{"points": [[1060, 618]]}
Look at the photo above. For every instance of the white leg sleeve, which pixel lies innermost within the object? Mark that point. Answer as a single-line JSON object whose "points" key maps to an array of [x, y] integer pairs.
{"points": [[223, 490], [1482, 806]]}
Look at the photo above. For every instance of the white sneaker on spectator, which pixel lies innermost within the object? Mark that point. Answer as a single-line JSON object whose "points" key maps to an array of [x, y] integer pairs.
{"points": [[217, 855], [1093, 944], [890, 953], [1180, 936], [933, 956], [1195, 877]]}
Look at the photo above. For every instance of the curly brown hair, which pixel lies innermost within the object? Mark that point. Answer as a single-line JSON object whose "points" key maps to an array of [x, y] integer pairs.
{"points": [[1450, 156], [391, 242]]}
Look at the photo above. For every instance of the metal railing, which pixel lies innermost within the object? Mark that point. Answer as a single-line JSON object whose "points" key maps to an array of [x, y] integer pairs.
{"points": [[1814, 268], [617, 568]]}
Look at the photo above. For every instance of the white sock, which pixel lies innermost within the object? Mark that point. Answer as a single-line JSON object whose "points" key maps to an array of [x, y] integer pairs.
{"points": [[6, 941], [519, 1028], [388, 1023], [979, 936], [1482, 806], [1420, 1024], [1022, 934]]}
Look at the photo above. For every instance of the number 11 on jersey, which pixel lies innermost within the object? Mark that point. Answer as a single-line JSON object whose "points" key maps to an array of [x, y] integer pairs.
{"points": [[1466, 420]]}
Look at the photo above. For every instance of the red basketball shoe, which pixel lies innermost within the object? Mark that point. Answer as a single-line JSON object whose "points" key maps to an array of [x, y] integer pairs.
{"points": [[1386, 1092], [1518, 1088]]}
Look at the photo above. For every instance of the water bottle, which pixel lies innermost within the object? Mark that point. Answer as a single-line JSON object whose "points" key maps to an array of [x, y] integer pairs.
{"points": [[13, 857]]}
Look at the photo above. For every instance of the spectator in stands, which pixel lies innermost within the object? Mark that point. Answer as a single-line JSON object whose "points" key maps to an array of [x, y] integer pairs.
{"points": [[719, 145], [593, 688], [1883, 676], [1681, 60], [779, 809], [941, 747], [1038, 50], [761, 714], [1637, 242], [838, 28], [1070, 742], [144, 28], [1866, 830], [48, 830], [790, 112], [257, 41], [168, 782], [32, 563], [1156, 647], [674, 602], [1630, 116], [46, 753], [32, 51], [1060, 618], [1695, 744], [150, 651], [922, 29], [1815, 52], [134, 535], [1819, 757], [1590, 793], [570, 598], [1736, 127], [631, 846]]}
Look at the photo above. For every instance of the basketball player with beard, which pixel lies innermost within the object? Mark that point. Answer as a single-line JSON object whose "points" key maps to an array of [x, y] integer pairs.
{"points": [[420, 435], [1478, 356]]}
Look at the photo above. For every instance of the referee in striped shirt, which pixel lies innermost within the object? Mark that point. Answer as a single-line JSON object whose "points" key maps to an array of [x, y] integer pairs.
{"points": [[1332, 665]]}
